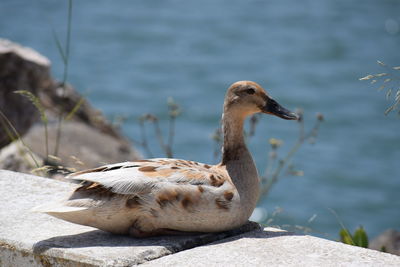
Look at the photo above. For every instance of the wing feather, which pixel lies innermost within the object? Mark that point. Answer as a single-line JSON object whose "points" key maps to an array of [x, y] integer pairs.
{"points": [[147, 175]]}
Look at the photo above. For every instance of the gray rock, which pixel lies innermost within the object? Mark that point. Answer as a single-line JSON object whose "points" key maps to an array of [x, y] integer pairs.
{"points": [[33, 239], [21, 68], [87, 134], [16, 157], [388, 241], [65, 99], [81, 147]]}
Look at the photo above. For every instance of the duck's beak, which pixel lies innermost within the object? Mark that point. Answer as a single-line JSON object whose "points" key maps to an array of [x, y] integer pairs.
{"points": [[272, 107]]}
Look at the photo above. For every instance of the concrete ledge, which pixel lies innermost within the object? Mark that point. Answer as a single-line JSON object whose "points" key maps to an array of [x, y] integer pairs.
{"points": [[30, 239], [273, 247]]}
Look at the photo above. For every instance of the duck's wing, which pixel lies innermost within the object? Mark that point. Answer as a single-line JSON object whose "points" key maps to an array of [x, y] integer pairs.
{"points": [[146, 175]]}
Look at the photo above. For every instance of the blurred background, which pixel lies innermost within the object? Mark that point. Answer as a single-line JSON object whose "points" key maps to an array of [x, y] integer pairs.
{"points": [[128, 57]]}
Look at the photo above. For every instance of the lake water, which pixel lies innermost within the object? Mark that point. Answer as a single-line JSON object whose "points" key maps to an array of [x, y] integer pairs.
{"points": [[128, 57]]}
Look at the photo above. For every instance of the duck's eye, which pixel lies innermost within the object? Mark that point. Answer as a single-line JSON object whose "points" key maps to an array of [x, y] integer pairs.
{"points": [[251, 91]]}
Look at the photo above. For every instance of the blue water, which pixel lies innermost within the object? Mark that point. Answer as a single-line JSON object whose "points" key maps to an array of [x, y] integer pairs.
{"points": [[128, 57]]}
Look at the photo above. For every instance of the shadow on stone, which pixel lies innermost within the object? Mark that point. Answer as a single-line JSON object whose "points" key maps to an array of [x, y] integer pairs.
{"points": [[98, 238]]}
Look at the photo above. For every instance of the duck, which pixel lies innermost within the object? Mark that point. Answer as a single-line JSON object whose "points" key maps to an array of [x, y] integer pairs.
{"points": [[165, 196]]}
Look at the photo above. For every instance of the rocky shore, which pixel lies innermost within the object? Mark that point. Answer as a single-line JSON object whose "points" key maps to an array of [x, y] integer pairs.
{"points": [[87, 139]]}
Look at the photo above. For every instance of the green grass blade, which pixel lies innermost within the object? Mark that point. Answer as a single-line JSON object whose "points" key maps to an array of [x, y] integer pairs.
{"points": [[345, 237], [36, 102], [59, 46], [346, 234], [360, 237], [11, 126], [65, 75], [75, 109], [68, 41]]}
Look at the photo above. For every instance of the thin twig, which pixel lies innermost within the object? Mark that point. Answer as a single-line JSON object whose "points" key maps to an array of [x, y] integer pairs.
{"points": [[272, 157], [270, 181], [171, 134], [144, 142], [36, 103], [19, 137], [159, 136], [65, 57], [217, 137]]}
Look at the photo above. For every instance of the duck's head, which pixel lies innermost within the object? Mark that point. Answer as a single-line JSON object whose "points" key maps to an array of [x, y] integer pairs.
{"points": [[246, 98]]}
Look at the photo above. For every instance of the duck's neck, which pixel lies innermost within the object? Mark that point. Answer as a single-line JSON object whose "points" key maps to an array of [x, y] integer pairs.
{"points": [[234, 144], [238, 160]]}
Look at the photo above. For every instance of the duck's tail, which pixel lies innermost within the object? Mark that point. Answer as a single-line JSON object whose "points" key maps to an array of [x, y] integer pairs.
{"points": [[72, 214], [104, 218], [56, 208]]}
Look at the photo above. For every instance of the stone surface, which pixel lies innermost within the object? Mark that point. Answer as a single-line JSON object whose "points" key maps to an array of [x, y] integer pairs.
{"points": [[33, 239], [388, 241], [272, 247]]}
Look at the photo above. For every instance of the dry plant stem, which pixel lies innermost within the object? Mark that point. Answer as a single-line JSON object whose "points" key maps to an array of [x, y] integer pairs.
{"points": [[144, 142], [75, 109], [389, 69], [9, 134], [270, 177], [217, 137], [36, 102], [217, 152], [166, 147], [18, 137], [65, 57], [171, 134], [46, 136], [270, 181], [160, 138], [274, 177], [387, 79], [58, 135], [270, 163]]}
